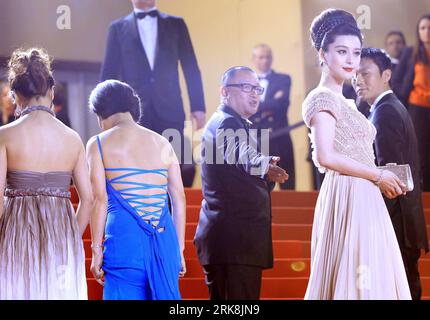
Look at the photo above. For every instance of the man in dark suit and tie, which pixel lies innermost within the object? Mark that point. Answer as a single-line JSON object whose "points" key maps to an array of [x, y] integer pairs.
{"points": [[395, 143], [143, 49], [233, 236], [272, 113], [395, 43]]}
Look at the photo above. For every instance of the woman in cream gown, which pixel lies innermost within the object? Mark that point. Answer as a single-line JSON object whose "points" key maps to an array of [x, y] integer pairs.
{"points": [[354, 250]]}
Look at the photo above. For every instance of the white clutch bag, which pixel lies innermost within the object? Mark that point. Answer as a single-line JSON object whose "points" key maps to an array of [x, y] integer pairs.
{"points": [[403, 171]]}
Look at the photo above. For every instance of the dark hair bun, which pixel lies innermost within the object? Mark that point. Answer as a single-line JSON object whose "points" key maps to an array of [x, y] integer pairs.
{"points": [[332, 22], [112, 96], [30, 72]]}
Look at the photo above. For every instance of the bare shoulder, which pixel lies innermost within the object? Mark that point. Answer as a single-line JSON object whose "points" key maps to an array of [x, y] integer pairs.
{"points": [[9, 131], [91, 144], [72, 137], [153, 136], [161, 145]]}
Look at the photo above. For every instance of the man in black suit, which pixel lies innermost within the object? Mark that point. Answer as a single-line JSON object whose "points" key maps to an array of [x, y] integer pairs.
{"points": [[395, 43], [272, 113], [395, 143], [60, 104], [143, 49], [234, 235]]}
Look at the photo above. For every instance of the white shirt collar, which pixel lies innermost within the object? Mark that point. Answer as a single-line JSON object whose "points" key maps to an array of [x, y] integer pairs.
{"points": [[137, 10], [395, 61], [265, 75], [383, 94], [247, 121]]}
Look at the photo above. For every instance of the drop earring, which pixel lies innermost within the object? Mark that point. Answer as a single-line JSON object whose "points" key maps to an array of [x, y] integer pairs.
{"points": [[17, 111]]}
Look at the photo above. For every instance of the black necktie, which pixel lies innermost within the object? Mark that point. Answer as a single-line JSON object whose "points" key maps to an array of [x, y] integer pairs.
{"points": [[142, 15], [246, 123]]}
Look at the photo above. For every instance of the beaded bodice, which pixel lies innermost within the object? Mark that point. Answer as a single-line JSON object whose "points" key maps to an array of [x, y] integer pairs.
{"points": [[354, 134]]}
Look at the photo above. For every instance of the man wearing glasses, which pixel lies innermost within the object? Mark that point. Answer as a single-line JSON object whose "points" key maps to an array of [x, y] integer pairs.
{"points": [[234, 236]]}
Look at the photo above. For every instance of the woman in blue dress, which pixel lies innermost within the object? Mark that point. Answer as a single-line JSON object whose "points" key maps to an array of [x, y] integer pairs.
{"points": [[133, 172]]}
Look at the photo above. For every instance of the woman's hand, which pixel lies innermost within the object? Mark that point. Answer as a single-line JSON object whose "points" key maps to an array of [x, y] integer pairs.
{"points": [[390, 185], [96, 265], [183, 266]]}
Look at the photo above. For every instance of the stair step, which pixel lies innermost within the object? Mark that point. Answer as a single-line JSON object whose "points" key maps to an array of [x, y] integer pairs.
{"points": [[290, 268], [293, 249], [282, 249], [280, 215], [272, 288], [279, 232], [279, 198], [293, 215]]}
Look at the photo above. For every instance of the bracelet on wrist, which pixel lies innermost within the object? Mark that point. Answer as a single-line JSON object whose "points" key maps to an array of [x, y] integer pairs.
{"points": [[96, 246], [378, 182]]}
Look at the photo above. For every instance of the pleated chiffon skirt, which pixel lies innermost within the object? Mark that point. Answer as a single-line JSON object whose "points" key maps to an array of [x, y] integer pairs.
{"points": [[41, 251], [354, 250]]}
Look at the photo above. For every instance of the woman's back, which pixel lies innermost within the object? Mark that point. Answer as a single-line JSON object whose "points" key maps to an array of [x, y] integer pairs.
{"points": [[136, 162], [39, 142], [38, 217], [138, 244]]}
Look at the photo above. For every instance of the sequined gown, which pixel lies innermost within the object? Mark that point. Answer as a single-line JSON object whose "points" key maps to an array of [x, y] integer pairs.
{"points": [[354, 250], [41, 250]]}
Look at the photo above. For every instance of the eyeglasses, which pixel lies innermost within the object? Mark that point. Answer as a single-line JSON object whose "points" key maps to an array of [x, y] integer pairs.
{"points": [[247, 87]]}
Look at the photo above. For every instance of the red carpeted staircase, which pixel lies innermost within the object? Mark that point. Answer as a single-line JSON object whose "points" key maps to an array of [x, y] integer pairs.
{"points": [[292, 226]]}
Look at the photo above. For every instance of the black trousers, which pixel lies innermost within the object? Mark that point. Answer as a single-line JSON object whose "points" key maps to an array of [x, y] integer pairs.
{"points": [[410, 260], [410, 257], [180, 144], [421, 119], [233, 282]]}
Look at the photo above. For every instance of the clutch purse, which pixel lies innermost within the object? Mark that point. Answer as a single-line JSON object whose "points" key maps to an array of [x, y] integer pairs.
{"points": [[403, 172]]}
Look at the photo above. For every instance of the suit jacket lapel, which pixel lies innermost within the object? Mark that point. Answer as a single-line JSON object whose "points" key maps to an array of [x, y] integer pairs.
{"points": [[161, 38], [271, 85], [384, 98], [133, 32]]}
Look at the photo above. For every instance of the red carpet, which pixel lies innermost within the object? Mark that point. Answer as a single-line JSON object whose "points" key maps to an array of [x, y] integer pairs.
{"points": [[292, 226]]}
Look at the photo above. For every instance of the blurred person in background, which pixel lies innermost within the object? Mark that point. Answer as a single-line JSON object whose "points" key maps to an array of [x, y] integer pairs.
{"points": [[411, 84]]}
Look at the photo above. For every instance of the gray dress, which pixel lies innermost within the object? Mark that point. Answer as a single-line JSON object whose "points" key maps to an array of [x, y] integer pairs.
{"points": [[41, 251]]}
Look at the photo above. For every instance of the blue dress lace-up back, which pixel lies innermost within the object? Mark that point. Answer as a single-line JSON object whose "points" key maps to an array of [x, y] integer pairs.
{"points": [[141, 258]]}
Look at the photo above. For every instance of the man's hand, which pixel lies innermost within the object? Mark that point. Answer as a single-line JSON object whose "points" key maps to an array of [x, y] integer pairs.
{"points": [[275, 173], [200, 118]]}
